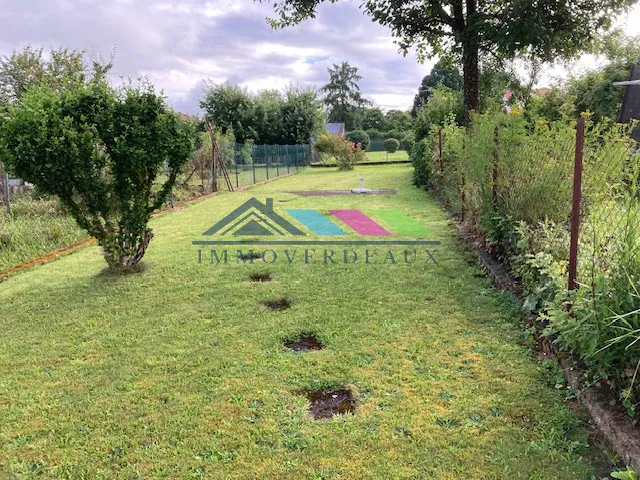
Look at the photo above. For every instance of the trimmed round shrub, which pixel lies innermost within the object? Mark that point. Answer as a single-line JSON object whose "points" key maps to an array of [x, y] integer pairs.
{"points": [[391, 145], [360, 137]]}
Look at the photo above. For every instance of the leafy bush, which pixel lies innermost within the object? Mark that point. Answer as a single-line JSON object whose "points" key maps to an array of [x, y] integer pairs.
{"points": [[421, 160], [408, 141], [391, 145], [100, 152], [360, 137], [345, 153]]}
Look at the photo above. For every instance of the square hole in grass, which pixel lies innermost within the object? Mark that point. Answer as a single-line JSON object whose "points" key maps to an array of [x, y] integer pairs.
{"points": [[303, 343], [329, 404], [277, 305], [261, 277]]}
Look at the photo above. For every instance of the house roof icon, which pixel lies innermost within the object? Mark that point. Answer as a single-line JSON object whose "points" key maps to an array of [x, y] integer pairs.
{"points": [[254, 218]]}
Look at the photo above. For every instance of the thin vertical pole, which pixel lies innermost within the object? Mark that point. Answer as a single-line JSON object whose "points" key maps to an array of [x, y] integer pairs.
{"points": [[496, 162], [7, 200], [575, 209], [266, 162], [278, 166], [253, 163], [287, 162], [235, 160], [440, 141]]}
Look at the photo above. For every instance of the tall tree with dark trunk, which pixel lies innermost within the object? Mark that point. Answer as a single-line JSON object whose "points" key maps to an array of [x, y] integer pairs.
{"points": [[467, 29], [342, 95]]}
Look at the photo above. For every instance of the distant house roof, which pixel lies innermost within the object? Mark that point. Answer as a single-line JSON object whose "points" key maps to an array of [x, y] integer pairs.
{"points": [[337, 128]]}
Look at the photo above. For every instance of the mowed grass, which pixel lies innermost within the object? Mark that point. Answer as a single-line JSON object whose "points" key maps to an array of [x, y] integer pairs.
{"points": [[179, 372]]}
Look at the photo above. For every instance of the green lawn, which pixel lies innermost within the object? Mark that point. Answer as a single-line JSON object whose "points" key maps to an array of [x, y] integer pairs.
{"points": [[179, 372]]}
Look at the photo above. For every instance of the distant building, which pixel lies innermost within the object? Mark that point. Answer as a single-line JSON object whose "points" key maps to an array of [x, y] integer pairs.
{"points": [[336, 128]]}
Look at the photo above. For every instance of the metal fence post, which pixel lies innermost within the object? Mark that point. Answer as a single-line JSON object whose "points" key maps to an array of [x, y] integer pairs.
{"points": [[7, 199], [575, 208], [440, 146], [278, 165], [266, 163], [494, 174], [253, 164], [235, 160]]}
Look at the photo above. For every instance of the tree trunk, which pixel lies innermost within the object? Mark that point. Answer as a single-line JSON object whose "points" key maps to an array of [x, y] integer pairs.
{"points": [[471, 72], [123, 256], [470, 56]]}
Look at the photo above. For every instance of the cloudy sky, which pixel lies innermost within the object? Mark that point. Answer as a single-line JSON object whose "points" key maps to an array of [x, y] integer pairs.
{"points": [[179, 44]]}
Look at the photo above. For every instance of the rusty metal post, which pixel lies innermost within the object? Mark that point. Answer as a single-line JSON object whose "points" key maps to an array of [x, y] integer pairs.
{"points": [[496, 163], [440, 145], [575, 209]]}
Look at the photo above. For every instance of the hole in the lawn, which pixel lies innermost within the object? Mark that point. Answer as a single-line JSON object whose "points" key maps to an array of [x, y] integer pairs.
{"points": [[329, 404], [250, 256], [277, 305], [261, 277], [303, 343]]}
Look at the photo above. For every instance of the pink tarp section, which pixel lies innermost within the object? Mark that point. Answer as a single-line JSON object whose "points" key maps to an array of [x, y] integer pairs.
{"points": [[360, 223]]}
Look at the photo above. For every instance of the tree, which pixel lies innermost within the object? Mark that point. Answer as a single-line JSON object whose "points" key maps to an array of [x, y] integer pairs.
{"points": [[231, 108], [373, 119], [398, 120], [443, 74], [267, 117], [594, 91], [29, 68], [100, 151], [302, 117], [468, 29], [342, 95]]}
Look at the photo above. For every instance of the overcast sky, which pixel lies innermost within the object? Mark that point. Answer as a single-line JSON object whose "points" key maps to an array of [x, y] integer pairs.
{"points": [[180, 43]]}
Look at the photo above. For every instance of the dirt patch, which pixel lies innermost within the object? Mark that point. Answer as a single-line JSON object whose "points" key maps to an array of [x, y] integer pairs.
{"points": [[277, 305], [250, 256], [332, 403], [261, 277], [335, 193], [303, 343]]}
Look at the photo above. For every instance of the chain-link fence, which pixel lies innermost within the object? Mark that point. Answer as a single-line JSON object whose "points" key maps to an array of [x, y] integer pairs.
{"points": [[377, 145], [244, 165], [560, 204]]}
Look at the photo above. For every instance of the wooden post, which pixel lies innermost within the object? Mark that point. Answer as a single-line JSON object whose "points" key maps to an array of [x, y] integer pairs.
{"points": [[575, 209], [214, 173]]}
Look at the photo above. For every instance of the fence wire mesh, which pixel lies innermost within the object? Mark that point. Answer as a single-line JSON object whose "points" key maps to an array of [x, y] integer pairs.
{"points": [[493, 172]]}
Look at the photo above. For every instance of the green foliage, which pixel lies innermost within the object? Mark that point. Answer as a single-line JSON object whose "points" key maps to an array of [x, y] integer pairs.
{"points": [[442, 105], [268, 118], [344, 151], [443, 74], [421, 160], [342, 95], [408, 140], [359, 137], [28, 68], [391, 145], [100, 152], [627, 474], [467, 30]]}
